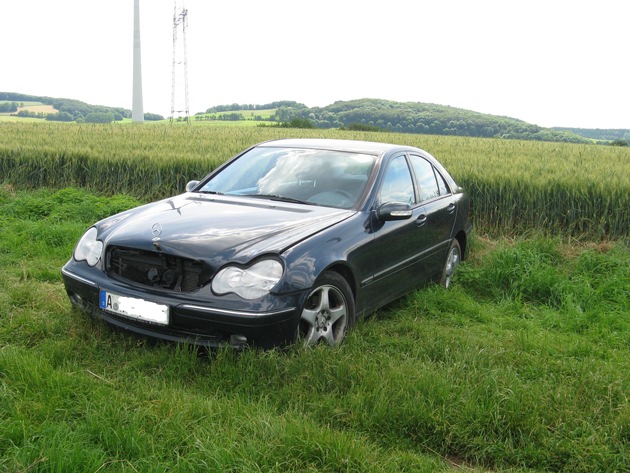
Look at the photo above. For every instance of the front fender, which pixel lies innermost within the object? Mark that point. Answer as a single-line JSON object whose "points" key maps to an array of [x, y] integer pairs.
{"points": [[306, 261]]}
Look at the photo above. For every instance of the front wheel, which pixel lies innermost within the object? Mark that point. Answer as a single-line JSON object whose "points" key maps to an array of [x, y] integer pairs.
{"points": [[328, 312], [452, 262]]}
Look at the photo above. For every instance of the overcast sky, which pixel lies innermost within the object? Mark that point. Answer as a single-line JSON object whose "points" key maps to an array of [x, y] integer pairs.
{"points": [[548, 62]]}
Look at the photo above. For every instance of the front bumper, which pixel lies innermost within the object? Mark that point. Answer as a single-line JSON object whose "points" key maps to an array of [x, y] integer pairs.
{"points": [[198, 319]]}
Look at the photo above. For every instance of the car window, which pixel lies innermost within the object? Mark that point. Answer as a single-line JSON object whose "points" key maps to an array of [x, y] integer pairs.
{"points": [[444, 189], [397, 185], [243, 178], [425, 178], [318, 177]]}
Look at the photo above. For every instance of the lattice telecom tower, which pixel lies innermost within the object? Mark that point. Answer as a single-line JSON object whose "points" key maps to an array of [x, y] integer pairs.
{"points": [[179, 105]]}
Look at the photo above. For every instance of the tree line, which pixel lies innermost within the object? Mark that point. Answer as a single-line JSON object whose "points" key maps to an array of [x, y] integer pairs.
{"points": [[422, 118], [235, 107], [70, 110], [615, 136]]}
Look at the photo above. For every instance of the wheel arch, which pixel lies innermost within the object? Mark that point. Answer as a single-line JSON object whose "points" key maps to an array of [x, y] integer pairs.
{"points": [[345, 272], [463, 242]]}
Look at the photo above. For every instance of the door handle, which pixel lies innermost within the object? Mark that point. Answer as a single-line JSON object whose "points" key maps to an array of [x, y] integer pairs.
{"points": [[451, 208], [421, 220]]}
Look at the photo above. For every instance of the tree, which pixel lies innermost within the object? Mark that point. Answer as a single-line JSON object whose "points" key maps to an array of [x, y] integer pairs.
{"points": [[8, 107], [363, 127], [60, 117], [155, 117], [299, 123], [99, 117]]}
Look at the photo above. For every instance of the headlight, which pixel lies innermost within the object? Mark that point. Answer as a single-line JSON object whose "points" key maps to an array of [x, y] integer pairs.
{"points": [[89, 249], [249, 283]]}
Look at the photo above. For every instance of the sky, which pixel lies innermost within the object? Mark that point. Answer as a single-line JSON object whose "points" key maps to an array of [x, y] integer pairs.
{"points": [[547, 62]]}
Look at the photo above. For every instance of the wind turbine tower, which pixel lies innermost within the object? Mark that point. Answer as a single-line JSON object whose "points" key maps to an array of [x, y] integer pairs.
{"points": [[137, 111], [179, 106]]}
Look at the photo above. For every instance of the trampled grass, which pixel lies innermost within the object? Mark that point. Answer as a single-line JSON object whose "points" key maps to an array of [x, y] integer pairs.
{"points": [[523, 365], [578, 191]]}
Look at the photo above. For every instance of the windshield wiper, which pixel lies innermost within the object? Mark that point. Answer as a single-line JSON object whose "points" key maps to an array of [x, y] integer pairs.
{"points": [[211, 192], [279, 198]]}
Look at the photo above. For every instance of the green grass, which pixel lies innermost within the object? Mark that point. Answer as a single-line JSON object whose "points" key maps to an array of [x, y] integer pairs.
{"points": [[8, 118], [524, 365]]}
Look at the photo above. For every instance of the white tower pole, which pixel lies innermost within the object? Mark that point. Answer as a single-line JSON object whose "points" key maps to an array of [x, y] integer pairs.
{"points": [[137, 111]]}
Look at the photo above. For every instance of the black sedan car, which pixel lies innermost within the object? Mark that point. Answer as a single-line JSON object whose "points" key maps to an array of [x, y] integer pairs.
{"points": [[287, 242]]}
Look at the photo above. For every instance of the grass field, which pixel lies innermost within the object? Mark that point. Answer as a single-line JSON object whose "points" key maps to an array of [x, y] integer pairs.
{"points": [[8, 118], [523, 365]]}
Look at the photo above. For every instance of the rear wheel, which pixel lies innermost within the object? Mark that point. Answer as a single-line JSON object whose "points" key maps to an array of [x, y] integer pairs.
{"points": [[453, 259], [328, 312]]}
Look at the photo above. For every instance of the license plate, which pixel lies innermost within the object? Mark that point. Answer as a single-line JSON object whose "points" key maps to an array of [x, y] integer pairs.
{"points": [[133, 308]]}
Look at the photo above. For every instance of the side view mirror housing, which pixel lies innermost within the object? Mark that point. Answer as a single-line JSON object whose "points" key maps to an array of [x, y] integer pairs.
{"points": [[394, 211], [191, 185]]}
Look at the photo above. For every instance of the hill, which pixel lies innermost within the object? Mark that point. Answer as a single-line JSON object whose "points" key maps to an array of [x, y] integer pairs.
{"points": [[70, 110], [360, 114], [411, 117], [600, 134]]}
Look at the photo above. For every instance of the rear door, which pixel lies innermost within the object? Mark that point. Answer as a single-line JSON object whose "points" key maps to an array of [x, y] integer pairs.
{"points": [[440, 209]]}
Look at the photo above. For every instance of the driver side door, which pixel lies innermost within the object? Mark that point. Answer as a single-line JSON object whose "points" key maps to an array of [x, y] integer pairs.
{"points": [[395, 255]]}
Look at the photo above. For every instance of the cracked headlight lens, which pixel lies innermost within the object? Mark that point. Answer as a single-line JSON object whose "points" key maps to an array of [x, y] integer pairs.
{"points": [[249, 283], [89, 249]]}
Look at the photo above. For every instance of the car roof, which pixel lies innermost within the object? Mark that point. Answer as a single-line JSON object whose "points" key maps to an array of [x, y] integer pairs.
{"points": [[364, 147]]}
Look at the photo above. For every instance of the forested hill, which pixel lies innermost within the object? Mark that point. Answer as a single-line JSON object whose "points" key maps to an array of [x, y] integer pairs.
{"points": [[70, 110], [412, 117], [600, 134]]}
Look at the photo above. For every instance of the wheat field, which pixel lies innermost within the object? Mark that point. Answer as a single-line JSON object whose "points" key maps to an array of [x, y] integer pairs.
{"points": [[577, 191]]}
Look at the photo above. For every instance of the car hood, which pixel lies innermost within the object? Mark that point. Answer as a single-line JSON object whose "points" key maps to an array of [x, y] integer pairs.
{"points": [[217, 229]]}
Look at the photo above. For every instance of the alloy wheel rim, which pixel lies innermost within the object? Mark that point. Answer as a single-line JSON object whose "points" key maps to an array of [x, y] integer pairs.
{"points": [[451, 265], [324, 317]]}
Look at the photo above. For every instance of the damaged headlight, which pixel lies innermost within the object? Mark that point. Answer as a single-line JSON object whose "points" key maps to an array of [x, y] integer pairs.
{"points": [[249, 283], [89, 249]]}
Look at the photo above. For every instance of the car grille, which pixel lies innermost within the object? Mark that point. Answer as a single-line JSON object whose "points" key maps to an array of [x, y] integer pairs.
{"points": [[154, 269]]}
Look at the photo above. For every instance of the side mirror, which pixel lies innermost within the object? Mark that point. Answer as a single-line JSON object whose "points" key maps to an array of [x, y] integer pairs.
{"points": [[191, 185], [394, 211]]}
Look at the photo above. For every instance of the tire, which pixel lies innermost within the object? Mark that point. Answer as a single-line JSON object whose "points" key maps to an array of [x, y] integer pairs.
{"points": [[328, 312], [453, 258]]}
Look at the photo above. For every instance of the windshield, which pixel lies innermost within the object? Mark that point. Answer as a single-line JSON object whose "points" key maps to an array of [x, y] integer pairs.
{"points": [[317, 177]]}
